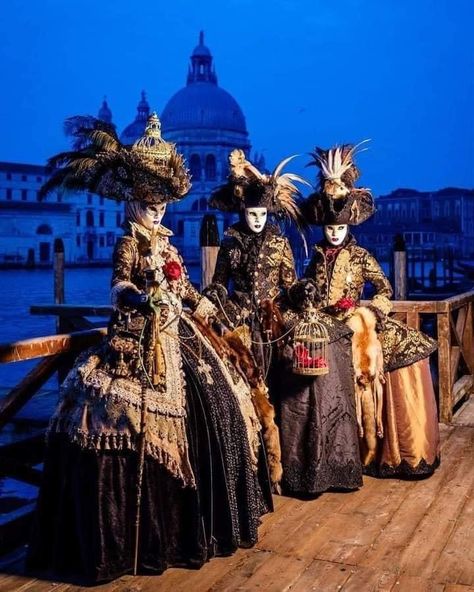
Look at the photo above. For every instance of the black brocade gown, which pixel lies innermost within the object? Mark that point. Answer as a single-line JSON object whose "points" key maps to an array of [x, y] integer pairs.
{"points": [[317, 420], [84, 523], [85, 520]]}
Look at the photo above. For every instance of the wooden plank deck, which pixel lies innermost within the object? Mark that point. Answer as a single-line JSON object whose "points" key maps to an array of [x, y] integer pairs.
{"points": [[398, 536]]}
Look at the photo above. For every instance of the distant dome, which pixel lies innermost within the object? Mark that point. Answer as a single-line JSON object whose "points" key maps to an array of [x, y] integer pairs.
{"points": [[135, 130], [202, 104]]}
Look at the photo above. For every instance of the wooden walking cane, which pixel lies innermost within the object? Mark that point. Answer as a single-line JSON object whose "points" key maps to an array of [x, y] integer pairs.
{"points": [[146, 382]]}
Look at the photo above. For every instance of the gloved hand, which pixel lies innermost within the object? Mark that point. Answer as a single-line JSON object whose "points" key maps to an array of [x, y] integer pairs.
{"points": [[137, 300], [216, 293], [303, 293]]}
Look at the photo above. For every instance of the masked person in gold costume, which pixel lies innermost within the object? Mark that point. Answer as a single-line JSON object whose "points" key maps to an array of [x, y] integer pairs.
{"points": [[395, 401], [153, 450]]}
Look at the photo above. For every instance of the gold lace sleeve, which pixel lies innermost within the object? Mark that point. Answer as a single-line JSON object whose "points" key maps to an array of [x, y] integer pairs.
{"points": [[287, 267], [123, 260], [374, 274]]}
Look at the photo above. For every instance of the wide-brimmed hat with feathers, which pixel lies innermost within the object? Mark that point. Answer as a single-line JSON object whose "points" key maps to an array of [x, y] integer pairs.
{"points": [[150, 171], [248, 187], [336, 200]]}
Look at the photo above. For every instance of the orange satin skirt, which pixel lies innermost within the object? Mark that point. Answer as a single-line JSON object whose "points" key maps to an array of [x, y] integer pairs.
{"points": [[410, 442]]}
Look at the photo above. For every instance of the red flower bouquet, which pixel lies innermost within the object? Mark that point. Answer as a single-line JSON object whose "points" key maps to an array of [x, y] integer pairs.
{"points": [[344, 304], [172, 270]]}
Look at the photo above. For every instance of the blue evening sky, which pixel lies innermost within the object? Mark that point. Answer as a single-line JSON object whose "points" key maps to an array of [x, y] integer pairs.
{"points": [[304, 72]]}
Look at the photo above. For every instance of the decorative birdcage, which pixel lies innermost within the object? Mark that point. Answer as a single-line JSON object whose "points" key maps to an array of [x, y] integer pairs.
{"points": [[310, 345]]}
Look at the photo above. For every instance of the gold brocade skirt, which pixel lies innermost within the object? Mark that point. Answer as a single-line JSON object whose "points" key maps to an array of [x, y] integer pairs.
{"points": [[410, 443]]}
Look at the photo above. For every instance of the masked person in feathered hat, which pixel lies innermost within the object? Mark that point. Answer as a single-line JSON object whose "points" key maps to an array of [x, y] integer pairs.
{"points": [[395, 401], [153, 448], [255, 263]]}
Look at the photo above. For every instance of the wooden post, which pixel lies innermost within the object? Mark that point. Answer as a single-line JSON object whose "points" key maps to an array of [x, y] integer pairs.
{"points": [[444, 367], [209, 241], [58, 271], [400, 268]]}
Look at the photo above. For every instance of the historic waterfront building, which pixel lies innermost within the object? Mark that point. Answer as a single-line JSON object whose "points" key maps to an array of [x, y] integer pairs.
{"points": [[28, 227], [204, 121], [442, 220]]}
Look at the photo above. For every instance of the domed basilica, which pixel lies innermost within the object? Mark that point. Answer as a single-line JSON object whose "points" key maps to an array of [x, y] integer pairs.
{"points": [[206, 123]]}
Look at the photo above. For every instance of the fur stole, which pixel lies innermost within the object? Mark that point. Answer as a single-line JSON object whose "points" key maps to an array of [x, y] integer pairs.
{"points": [[368, 368]]}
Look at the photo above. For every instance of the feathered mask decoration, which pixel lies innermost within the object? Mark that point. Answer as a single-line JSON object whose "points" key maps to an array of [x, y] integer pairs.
{"points": [[338, 172], [150, 171], [248, 187]]}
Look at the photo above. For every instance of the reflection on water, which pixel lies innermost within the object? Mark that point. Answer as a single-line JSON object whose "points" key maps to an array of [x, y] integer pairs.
{"points": [[21, 289]]}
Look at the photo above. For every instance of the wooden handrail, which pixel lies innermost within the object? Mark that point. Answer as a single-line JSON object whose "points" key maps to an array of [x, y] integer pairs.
{"points": [[40, 347]]}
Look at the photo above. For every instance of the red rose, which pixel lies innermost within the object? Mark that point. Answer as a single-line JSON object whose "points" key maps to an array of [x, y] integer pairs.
{"points": [[345, 303], [172, 270]]}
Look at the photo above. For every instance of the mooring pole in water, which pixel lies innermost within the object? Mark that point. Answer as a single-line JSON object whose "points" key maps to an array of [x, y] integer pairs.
{"points": [[400, 267], [58, 266], [209, 241]]}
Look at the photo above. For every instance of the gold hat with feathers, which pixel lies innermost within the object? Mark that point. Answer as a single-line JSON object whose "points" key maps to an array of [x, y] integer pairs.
{"points": [[150, 171], [248, 187], [337, 201], [337, 169]]}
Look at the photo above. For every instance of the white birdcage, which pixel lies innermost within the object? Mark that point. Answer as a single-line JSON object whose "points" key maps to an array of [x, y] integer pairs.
{"points": [[310, 345]]}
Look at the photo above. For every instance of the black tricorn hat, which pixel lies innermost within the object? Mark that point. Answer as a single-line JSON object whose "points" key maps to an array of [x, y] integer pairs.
{"points": [[248, 187], [355, 208]]}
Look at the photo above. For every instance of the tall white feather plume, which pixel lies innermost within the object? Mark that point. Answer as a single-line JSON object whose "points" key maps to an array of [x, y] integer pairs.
{"points": [[333, 165]]}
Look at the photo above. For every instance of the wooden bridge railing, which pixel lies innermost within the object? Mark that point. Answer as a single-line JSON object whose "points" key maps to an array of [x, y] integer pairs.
{"points": [[454, 322]]}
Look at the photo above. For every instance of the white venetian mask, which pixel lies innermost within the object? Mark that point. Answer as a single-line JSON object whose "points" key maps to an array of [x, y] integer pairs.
{"points": [[256, 219], [336, 233], [152, 215]]}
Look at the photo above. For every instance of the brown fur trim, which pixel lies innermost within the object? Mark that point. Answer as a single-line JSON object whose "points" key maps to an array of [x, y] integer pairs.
{"points": [[368, 366], [231, 346], [271, 436], [272, 321]]}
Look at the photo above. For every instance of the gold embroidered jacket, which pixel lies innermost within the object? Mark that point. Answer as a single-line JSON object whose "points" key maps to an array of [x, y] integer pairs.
{"points": [[353, 268], [254, 267]]}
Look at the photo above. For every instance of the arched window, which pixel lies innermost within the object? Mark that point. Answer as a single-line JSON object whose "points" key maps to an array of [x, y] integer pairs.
{"points": [[44, 229], [199, 205], [89, 218], [210, 167], [195, 167]]}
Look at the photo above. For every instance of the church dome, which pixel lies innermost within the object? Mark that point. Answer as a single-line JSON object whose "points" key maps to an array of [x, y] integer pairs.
{"points": [[202, 104], [137, 128]]}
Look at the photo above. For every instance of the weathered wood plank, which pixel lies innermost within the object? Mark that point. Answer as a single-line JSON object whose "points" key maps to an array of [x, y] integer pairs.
{"points": [[323, 575], [40, 347], [456, 561], [275, 574], [365, 579], [413, 319], [386, 550], [422, 555], [416, 584], [348, 536], [462, 387], [444, 366]]}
